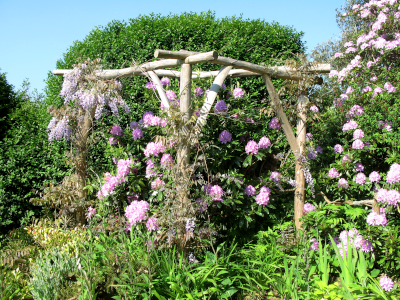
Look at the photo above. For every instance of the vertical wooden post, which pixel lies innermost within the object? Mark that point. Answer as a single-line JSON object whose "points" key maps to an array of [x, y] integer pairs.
{"points": [[375, 206], [299, 194]]}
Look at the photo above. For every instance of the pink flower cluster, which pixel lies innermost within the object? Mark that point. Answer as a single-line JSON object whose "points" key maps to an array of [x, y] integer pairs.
{"points": [[116, 130], [338, 148], [275, 176], [373, 219], [137, 134], [374, 177], [151, 169], [238, 93], [343, 183], [165, 81], [388, 197], [274, 124], [358, 134], [251, 147], [386, 283], [171, 95], [149, 119], [136, 212], [157, 184], [314, 245], [351, 125], [359, 167], [350, 239], [308, 207], [152, 224], [225, 137], [153, 149], [264, 143], [263, 197], [360, 178], [394, 174], [314, 108], [216, 193], [166, 160], [220, 107], [358, 144], [333, 173], [150, 86], [91, 212], [250, 190]]}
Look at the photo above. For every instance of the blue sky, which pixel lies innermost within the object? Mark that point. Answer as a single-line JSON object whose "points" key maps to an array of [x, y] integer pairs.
{"points": [[35, 34]]}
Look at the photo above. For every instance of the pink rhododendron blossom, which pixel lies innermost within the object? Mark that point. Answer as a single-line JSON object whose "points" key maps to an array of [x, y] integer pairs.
{"points": [[264, 143], [116, 130], [358, 134], [351, 125], [346, 158], [374, 78], [367, 89], [216, 193], [309, 136], [308, 207], [263, 196], [338, 148], [220, 107], [150, 86], [392, 197], [349, 43], [171, 95], [166, 160], [343, 183], [373, 219], [274, 124], [275, 176], [359, 167], [333, 173], [91, 212], [151, 169], [337, 54], [165, 81], [351, 50], [134, 125], [137, 134], [314, 245], [250, 190], [152, 224], [349, 90], [225, 137], [360, 178], [157, 184], [381, 195], [344, 97], [136, 212], [374, 177], [251, 148], [153, 149], [238, 93], [113, 141], [314, 108], [358, 144], [386, 283], [394, 174]]}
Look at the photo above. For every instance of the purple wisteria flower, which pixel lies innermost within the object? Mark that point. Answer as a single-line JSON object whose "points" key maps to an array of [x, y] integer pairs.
{"points": [[137, 134], [263, 197], [333, 173], [308, 207], [201, 204], [314, 108], [311, 154], [343, 183], [165, 81], [358, 144], [59, 130], [225, 137], [386, 283], [358, 134], [250, 190], [198, 91], [374, 177], [152, 224], [274, 124], [338, 148], [319, 149], [238, 93], [264, 143], [251, 147], [360, 178], [220, 107], [359, 167]]}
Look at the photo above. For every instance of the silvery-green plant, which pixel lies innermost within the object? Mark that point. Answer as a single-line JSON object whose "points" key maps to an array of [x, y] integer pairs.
{"points": [[49, 273]]}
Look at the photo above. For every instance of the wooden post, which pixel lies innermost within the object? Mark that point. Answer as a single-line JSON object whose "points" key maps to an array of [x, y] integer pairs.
{"points": [[299, 194]]}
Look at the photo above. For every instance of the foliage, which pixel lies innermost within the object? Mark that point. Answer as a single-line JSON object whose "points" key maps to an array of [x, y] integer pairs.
{"points": [[8, 101]]}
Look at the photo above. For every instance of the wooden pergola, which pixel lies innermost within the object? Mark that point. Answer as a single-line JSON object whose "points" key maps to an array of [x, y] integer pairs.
{"points": [[230, 68]]}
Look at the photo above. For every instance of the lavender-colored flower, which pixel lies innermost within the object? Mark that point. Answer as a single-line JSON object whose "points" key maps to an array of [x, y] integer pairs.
{"points": [[346, 158], [238, 93], [351, 125], [202, 205], [165, 81], [389, 87], [192, 258], [386, 283], [136, 212], [359, 167], [60, 130], [220, 107], [358, 134], [264, 143], [314, 108], [152, 224], [311, 154], [250, 190], [263, 197], [358, 144], [112, 141], [251, 147], [137, 134], [374, 177], [319, 149], [171, 95], [394, 174], [207, 188], [381, 195], [166, 160], [338, 148], [360, 178], [343, 183], [190, 225], [223, 86], [392, 197], [275, 176], [314, 245], [367, 246], [308, 207], [216, 193], [225, 137], [116, 130], [134, 125], [150, 86], [151, 169], [198, 91], [274, 124]]}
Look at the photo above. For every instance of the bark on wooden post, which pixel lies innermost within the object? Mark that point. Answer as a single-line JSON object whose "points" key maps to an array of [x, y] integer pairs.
{"points": [[299, 194]]}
